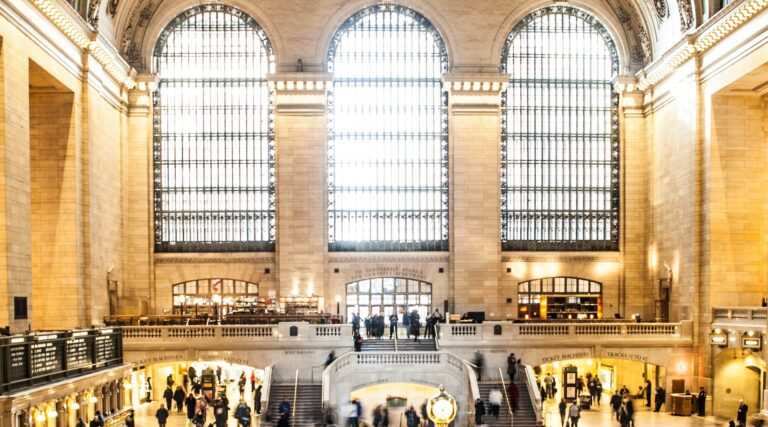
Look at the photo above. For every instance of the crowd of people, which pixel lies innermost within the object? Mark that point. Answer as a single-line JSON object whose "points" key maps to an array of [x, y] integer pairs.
{"points": [[189, 400], [375, 326]]}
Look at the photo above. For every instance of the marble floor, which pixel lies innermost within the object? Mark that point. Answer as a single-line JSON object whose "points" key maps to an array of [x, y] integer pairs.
{"points": [[601, 416]]}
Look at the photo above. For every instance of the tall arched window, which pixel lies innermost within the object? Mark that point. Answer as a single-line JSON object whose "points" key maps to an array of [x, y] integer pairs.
{"points": [[388, 134], [214, 168], [560, 134]]}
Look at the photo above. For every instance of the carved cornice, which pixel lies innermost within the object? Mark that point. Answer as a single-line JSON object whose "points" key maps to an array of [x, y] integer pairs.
{"points": [[88, 41], [301, 83], [706, 37], [477, 83], [376, 257]]}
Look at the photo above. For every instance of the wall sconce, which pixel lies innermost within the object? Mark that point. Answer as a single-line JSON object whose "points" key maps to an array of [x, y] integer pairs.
{"points": [[52, 413], [93, 399], [40, 417], [74, 406]]}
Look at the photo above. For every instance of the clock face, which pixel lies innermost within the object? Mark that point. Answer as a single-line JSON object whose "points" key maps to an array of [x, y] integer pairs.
{"points": [[442, 409]]}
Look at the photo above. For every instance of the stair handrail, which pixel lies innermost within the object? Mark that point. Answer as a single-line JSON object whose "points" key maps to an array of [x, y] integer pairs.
{"points": [[295, 390], [474, 389], [533, 392], [267, 385], [437, 333], [506, 395], [396, 350]]}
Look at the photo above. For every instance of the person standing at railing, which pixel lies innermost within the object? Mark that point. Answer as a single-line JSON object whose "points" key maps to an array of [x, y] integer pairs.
{"points": [[392, 325], [511, 366]]}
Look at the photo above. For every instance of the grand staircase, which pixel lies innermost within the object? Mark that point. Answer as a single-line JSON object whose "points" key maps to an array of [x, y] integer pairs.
{"points": [[308, 410], [523, 417], [374, 344]]}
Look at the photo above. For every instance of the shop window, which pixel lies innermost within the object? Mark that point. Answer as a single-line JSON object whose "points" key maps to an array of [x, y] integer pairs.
{"points": [[560, 298], [218, 296]]}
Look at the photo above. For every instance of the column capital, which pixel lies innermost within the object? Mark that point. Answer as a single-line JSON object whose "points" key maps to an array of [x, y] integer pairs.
{"points": [[626, 84], [300, 93], [140, 95], [632, 97], [300, 82], [475, 82], [475, 93]]}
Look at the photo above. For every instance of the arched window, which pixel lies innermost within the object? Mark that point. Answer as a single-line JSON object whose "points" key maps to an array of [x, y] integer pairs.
{"points": [[214, 168], [570, 298], [387, 295], [560, 134], [222, 296], [388, 134]]}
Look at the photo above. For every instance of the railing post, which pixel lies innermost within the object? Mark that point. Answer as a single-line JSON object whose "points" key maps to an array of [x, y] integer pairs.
{"points": [[623, 329], [571, 329]]}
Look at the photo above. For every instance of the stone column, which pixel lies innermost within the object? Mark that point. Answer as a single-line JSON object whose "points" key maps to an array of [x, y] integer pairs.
{"points": [[637, 291], [301, 128], [138, 221], [474, 114]]}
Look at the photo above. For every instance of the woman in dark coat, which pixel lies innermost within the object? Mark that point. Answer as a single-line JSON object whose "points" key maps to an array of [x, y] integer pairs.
{"points": [[178, 397], [220, 413], [190, 403]]}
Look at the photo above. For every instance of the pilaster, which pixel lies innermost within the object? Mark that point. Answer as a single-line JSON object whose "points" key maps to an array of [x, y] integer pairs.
{"points": [[636, 284], [301, 127], [137, 293], [474, 113]]}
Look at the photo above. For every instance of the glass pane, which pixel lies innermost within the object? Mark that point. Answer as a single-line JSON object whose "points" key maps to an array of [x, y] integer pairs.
{"points": [[583, 286], [195, 287], [413, 299], [240, 287], [364, 299], [535, 286], [522, 287], [178, 289], [352, 288], [365, 286], [401, 286], [389, 299], [253, 289], [399, 299], [413, 287], [375, 299], [388, 134], [595, 288], [547, 286], [425, 299], [376, 286], [213, 132], [351, 299], [426, 288], [229, 287], [389, 286]]}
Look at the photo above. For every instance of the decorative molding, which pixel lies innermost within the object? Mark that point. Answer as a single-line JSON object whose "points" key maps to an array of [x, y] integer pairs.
{"points": [[607, 257], [662, 9], [112, 7], [218, 259], [700, 42], [305, 82], [93, 13], [376, 257], [686, 14], [88, 42], [475, 82]]}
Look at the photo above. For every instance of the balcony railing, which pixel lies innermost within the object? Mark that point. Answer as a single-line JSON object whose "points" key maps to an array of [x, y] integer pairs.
{"points": [[740, 318], [625, 331]]}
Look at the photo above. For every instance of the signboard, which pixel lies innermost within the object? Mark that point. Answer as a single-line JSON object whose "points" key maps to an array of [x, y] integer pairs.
{"points": [[19, 362], [106, 348], [78, 350], [752, 343], [45, 356]]}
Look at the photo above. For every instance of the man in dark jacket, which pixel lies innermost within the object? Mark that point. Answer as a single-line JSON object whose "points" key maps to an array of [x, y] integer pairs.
{"points": [[616, 404], [257, 400], [161, 415], [168, 396], [393, 325], [479, 411], [741, 414], [243, 415], [661, 397], [701, 401]]}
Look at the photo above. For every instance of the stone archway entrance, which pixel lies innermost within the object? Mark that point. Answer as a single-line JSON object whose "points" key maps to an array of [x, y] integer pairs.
{"points": [[738, 375]]}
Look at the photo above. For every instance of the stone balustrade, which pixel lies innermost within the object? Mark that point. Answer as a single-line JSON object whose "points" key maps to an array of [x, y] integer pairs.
{"points": [[225, 336], [740, 318], [673, 333]]}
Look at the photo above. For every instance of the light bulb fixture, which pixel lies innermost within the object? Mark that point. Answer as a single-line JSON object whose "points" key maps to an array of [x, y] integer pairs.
{"points": [[93, 399], [74, 406], [40, 417], [52, 413]]}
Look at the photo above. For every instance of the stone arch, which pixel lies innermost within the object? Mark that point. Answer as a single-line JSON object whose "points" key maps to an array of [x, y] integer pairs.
{"points": [[602, 13], [737, 375], [345, 12], [138, 34]]}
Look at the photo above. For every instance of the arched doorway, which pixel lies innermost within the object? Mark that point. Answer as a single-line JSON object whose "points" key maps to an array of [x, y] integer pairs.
{"points": [[396, 397], [388, 295], [738, 375]]}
